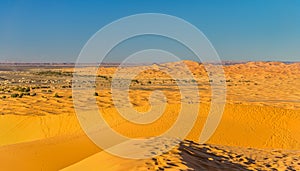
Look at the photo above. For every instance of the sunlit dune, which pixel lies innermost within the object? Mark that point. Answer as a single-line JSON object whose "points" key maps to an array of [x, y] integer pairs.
{"points": [[259, 129]]}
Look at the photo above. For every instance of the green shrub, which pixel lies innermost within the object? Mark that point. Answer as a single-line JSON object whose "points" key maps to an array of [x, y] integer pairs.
{"points": [[45, 86], [135, 81], [27, 89], [14, 95], [96, 94], [23, 89], [55, 73], [3, 97], [26, 94], [57, 96]]}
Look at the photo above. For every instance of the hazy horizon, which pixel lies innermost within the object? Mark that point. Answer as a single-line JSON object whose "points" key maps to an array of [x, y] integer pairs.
{"points": [[114, 62]]}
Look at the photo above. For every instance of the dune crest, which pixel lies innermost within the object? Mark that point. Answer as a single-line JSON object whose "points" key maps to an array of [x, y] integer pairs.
{"points": [[259, 128]]}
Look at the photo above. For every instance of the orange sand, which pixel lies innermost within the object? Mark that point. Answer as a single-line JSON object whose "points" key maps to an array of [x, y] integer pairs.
{"points": [[262, 112]]}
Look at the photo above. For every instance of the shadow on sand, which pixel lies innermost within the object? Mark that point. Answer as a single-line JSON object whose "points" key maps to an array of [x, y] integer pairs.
{"points": [[199, 158]]}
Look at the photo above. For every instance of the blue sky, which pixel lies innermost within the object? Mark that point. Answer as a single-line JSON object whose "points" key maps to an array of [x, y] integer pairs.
{"points": [[55, 31]]}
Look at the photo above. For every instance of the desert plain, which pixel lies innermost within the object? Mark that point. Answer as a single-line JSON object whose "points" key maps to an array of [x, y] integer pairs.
{"points": [[259, 129]]}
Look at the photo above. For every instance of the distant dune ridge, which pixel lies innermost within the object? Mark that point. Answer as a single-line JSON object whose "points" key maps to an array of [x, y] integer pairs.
{"points": [[260, 128]]}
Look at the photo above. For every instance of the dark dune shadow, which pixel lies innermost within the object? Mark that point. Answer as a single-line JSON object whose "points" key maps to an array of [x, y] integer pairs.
{"points": [[200, 159]]}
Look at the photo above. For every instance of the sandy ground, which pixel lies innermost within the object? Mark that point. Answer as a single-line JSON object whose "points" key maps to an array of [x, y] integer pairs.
{"points": [[191, 156], [259, 129]]}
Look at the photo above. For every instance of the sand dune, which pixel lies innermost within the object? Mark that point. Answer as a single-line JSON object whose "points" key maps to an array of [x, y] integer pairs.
{"points": [[244, 132], [47, 154], [259, 129], [191, 156]]}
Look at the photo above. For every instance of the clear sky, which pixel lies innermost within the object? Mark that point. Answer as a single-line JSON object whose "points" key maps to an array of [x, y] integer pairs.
{"points": [[56, 30]]}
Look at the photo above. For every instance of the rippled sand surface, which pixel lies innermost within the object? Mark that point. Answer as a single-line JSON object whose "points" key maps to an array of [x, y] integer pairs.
{"points": [[259, 129]]}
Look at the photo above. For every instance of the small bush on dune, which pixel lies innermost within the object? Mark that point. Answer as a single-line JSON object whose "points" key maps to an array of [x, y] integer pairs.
{"points": [[44, 86], [57, 96], [27, 89], [26, 94], [14, 95], [23, 89]]}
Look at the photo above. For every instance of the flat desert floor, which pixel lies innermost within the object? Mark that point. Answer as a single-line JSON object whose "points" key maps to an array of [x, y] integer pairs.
{"points": [[259, 129]]}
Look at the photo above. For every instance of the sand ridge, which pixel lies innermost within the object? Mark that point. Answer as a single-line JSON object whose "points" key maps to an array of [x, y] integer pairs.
{"points": [[261, 118]]}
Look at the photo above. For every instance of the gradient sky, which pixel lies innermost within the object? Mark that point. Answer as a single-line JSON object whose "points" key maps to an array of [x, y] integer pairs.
{"points": [[56, 30]]}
